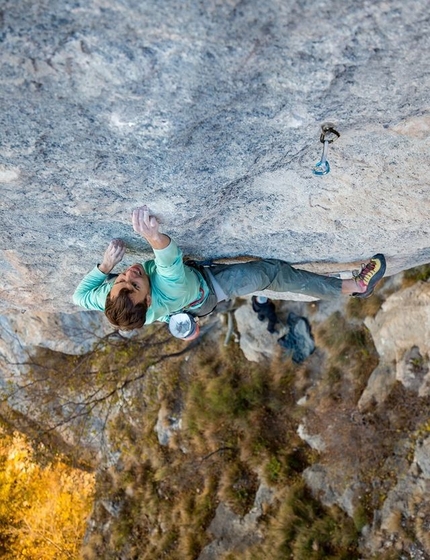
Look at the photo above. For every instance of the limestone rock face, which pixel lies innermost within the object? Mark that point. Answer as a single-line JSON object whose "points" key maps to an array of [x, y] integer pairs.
{"points": [[395, 328], [210, 112], [232, 532], [401, 333], [331, 491], [69, 333], [407, 502], [378, 387]]}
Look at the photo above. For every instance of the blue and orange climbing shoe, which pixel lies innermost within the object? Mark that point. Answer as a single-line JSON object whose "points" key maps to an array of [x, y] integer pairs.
{"points": [[369, 275]]}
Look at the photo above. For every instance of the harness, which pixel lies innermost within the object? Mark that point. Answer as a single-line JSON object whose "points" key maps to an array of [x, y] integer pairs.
{"points": [[200, 299]]}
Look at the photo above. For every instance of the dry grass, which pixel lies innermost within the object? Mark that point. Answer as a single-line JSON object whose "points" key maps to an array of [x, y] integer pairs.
{"points": [[302, 529], [237, 487], [362, 308], [417, 274], [351, 358]]}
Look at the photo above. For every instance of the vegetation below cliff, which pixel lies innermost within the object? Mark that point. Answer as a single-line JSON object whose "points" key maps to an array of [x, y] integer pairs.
{"points": [[201, 455]]}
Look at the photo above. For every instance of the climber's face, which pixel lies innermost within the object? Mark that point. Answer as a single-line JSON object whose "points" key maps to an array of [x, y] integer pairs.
{"points": [[136, 280]]}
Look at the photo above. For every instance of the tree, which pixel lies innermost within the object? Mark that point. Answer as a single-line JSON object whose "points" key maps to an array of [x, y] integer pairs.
{"points": [[43, 508]]}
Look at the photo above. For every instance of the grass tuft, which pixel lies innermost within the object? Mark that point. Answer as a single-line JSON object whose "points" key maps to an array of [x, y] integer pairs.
{"points": [[416, 274]]}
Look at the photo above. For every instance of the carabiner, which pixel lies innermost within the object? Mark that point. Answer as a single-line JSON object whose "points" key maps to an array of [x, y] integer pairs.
{"points": [[328, 135]]}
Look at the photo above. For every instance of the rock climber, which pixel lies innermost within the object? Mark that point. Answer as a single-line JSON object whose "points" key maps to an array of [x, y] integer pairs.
{"points": [[167, 289]]}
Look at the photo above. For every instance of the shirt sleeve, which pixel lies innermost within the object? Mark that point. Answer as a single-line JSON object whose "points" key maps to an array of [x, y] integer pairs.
{"points": [[173, 285], [92, 291], [169, 263]]}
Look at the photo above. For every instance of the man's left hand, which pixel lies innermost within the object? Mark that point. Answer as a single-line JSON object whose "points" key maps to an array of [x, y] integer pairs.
{"points": [[148, 227]]}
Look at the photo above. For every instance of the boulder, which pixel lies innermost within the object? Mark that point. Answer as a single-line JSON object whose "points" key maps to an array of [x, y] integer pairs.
{"points": [[378, 387], [255, 340], [315, 441], [347, 494], [394, 328], [401, 333], [231, 532], [413, 371]]}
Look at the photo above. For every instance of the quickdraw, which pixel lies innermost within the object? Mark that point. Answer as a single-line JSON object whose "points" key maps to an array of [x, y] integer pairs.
{"points": [[328, 135]]}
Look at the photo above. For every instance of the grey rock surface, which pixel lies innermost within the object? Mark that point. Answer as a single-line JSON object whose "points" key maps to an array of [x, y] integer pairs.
{"points": [[231, 532], [346, 494], [422, 457], [314, 441], [407, 504], [209, 112], [378, 387], [255, 340], [401, 333], [69, 333], [413, 371], [394, 328]]}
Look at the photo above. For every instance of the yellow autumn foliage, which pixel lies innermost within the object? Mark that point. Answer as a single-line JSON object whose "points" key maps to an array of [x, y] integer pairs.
{"points": [[43, 509]]}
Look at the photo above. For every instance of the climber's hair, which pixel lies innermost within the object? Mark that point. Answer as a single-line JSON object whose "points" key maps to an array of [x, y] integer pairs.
{"points": [[123, 313]]}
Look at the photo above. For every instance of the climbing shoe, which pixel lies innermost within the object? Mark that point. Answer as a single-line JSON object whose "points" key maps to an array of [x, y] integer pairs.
{"points": [[369, 275]]}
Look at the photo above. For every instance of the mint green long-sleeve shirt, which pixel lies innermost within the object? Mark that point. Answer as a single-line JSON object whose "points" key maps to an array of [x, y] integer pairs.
{"points": [[174, 286]]}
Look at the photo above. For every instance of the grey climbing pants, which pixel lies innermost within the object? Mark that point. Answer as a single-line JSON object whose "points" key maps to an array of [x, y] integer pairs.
{"points": [[272, 274]]}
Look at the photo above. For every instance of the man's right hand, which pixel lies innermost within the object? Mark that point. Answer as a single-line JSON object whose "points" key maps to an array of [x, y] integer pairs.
{"points": [[113, 255]]}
